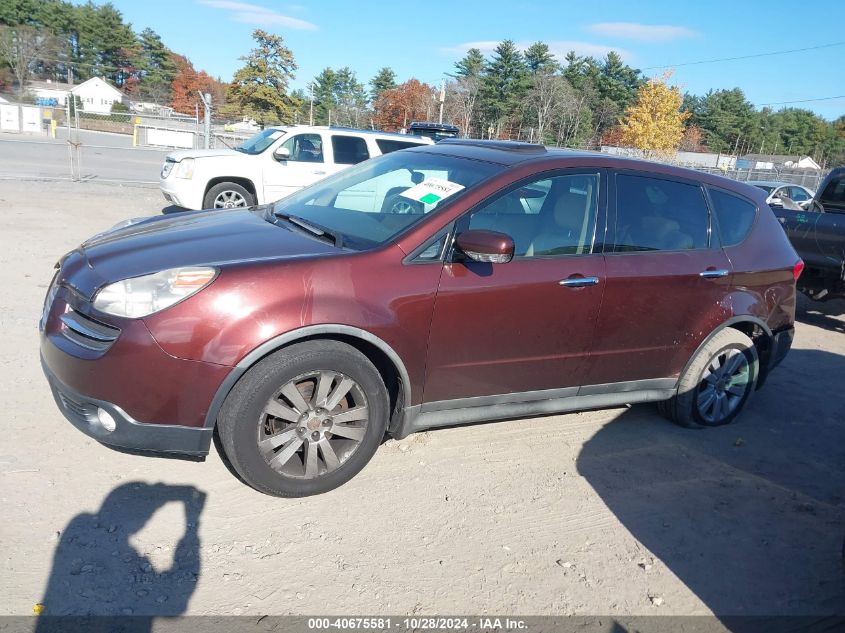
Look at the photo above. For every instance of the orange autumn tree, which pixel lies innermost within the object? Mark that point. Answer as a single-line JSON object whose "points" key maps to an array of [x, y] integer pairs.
{"points": [[396, 108], [188, 83]]}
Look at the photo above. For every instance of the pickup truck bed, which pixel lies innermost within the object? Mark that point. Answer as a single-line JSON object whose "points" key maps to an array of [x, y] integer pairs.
{"points": [[818, 235]]}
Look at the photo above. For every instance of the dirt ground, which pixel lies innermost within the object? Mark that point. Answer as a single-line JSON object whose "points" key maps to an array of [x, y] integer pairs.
{"points": [[613, 512]]}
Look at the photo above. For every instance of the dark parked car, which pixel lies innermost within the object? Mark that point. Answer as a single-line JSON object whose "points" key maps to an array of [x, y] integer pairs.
{"points": [[818, 234], [520, 281]]}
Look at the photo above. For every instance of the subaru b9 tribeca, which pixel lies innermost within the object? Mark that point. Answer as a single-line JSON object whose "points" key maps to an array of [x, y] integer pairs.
{"points": [[446, 284]]}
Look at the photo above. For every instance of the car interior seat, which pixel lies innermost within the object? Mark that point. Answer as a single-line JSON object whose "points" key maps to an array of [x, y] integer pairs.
{"points": [[563, 226]]}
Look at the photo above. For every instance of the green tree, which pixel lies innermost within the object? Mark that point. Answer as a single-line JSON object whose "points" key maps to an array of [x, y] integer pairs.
{"points": [[726, 118], [504, 85], [156, 68], [539, 59], [385, 79], [471, 65], [259, 88]]}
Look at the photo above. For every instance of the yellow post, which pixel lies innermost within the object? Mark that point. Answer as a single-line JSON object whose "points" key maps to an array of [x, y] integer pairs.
{"points": [[135, 135], [52, 128]]}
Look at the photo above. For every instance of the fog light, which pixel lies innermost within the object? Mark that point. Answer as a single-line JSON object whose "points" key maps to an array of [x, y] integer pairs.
{"points": [[106, 420]]}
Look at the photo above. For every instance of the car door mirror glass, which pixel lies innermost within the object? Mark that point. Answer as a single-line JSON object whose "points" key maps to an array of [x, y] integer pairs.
{"points": [[486, 246], [282, 153]]}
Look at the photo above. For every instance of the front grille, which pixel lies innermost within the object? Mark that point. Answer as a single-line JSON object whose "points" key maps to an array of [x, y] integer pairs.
{"points": [[87, 332]]}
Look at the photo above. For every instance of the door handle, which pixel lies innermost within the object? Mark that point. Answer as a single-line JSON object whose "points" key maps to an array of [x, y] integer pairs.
{"points": [[579, 282], [714, 274]]}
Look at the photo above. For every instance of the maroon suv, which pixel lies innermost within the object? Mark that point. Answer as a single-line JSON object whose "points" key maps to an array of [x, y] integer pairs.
{"points": [[453, 283]]}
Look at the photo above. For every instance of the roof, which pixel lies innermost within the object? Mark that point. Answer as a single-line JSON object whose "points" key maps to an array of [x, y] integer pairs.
{"points": [[49, 85], [776, 158], [336, 128], [768, 183]]}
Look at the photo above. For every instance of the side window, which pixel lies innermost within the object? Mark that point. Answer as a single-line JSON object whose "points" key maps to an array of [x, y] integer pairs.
{"points": [[735, 216], [834, 193], [386, 146], [305, 148], [798, 194], [553, 216], [349, 150], [659, 215]]}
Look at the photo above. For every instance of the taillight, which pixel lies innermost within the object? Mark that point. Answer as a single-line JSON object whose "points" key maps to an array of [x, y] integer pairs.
{"points": [[797, 269]]}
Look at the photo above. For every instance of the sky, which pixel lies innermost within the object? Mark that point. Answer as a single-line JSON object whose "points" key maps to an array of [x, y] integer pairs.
{"points": [[425, 42]]}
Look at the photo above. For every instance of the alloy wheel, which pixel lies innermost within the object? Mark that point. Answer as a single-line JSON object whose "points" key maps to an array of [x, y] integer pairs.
{"points": [[313, 424], [229, 200], [724, 385]]}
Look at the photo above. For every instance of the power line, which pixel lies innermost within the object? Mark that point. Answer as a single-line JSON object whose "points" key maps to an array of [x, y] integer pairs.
{"points": [[802, 101], [731, 59]]}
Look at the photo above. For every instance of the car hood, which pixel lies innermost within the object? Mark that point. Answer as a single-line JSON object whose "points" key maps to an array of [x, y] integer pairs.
{"points": [[201, 153], [202, 238]]}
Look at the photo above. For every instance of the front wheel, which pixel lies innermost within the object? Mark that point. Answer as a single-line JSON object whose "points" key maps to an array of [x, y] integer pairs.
{"points": [[304, 420], [227, 195], [717, 384]]}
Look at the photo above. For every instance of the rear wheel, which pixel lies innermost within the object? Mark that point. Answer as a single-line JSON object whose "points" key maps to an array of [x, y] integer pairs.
{"points": [[228, 195], [718, 383], [304, 420]]}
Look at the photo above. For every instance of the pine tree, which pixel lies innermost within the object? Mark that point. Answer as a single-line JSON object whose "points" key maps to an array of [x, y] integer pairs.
{"points": [[471, 65], [385, 79]]}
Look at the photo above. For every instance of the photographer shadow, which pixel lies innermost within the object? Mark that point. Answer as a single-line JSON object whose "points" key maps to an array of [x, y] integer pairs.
{"points": [[97, 572]]}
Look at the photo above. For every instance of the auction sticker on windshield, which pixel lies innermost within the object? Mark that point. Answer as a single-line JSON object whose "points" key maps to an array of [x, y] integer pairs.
{"points": [[432, 190]]}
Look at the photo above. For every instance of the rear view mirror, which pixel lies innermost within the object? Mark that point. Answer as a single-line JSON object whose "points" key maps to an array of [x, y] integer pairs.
{"points": [[282, 153], [486, 246]]}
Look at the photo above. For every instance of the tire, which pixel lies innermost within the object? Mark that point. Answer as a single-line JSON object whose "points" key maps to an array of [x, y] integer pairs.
{"points": [[290, 445], [707, 395], [228, 195]]}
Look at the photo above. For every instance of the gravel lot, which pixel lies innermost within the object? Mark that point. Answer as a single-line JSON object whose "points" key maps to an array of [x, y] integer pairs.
{"points": [[613, 512]]}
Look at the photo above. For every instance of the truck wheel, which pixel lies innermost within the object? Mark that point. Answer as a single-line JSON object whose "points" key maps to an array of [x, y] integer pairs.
{"points": [[304, 420], [718, 383], [227, 195]]}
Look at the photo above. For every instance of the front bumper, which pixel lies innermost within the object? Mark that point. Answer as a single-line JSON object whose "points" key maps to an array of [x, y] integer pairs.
{"points": [[181, 192], [128, 434]]}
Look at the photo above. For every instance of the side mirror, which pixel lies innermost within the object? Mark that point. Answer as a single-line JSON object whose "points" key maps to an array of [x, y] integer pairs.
{"points": [[486, 246], [281, 153]]}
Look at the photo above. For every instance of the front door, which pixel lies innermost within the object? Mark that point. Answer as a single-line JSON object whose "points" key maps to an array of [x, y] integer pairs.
{"points": [[667, 281], [306, 164], [527, 325]]}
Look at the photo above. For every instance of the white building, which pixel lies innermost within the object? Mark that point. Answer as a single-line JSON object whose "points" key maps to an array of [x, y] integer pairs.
{"points": [[95, 94]]}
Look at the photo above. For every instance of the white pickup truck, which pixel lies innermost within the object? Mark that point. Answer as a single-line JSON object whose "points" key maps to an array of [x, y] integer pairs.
{"points": [[271, 165]]}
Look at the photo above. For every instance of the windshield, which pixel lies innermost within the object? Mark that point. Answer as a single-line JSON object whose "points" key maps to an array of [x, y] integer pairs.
{"points": [[371, 203], [261, 141]]}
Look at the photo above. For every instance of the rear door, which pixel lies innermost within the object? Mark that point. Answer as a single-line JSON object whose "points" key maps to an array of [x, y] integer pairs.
{"points": [[502, 331], [668, 280]]}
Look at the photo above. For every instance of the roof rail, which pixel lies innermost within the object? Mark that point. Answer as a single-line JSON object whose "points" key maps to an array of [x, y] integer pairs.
{"points": [[517, 147]]}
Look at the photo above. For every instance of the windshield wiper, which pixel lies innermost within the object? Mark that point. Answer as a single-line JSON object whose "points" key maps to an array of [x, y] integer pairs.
{"points": [[314, 229]]}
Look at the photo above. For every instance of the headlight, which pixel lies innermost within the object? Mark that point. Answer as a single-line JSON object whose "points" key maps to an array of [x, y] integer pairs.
{"points": [[142, 296], [184, 168], [167, 168]]}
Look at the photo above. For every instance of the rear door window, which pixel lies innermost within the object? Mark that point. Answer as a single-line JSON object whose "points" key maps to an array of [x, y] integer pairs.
{"points": [[734, 215], [389, 145], [349, 150], [653, 214]]}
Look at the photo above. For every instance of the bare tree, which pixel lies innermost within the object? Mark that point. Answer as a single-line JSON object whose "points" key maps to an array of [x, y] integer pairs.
{"points": [[461, 102], [22, 46], [549, 94]]}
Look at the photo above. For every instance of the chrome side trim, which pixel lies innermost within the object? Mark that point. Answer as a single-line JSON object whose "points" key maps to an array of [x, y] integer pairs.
{"points": [[292, 337]]}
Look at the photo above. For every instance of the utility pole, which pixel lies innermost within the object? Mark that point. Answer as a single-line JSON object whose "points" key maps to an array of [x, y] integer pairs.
{"points": [[442, 99], [206, 102], [311, 107]]}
